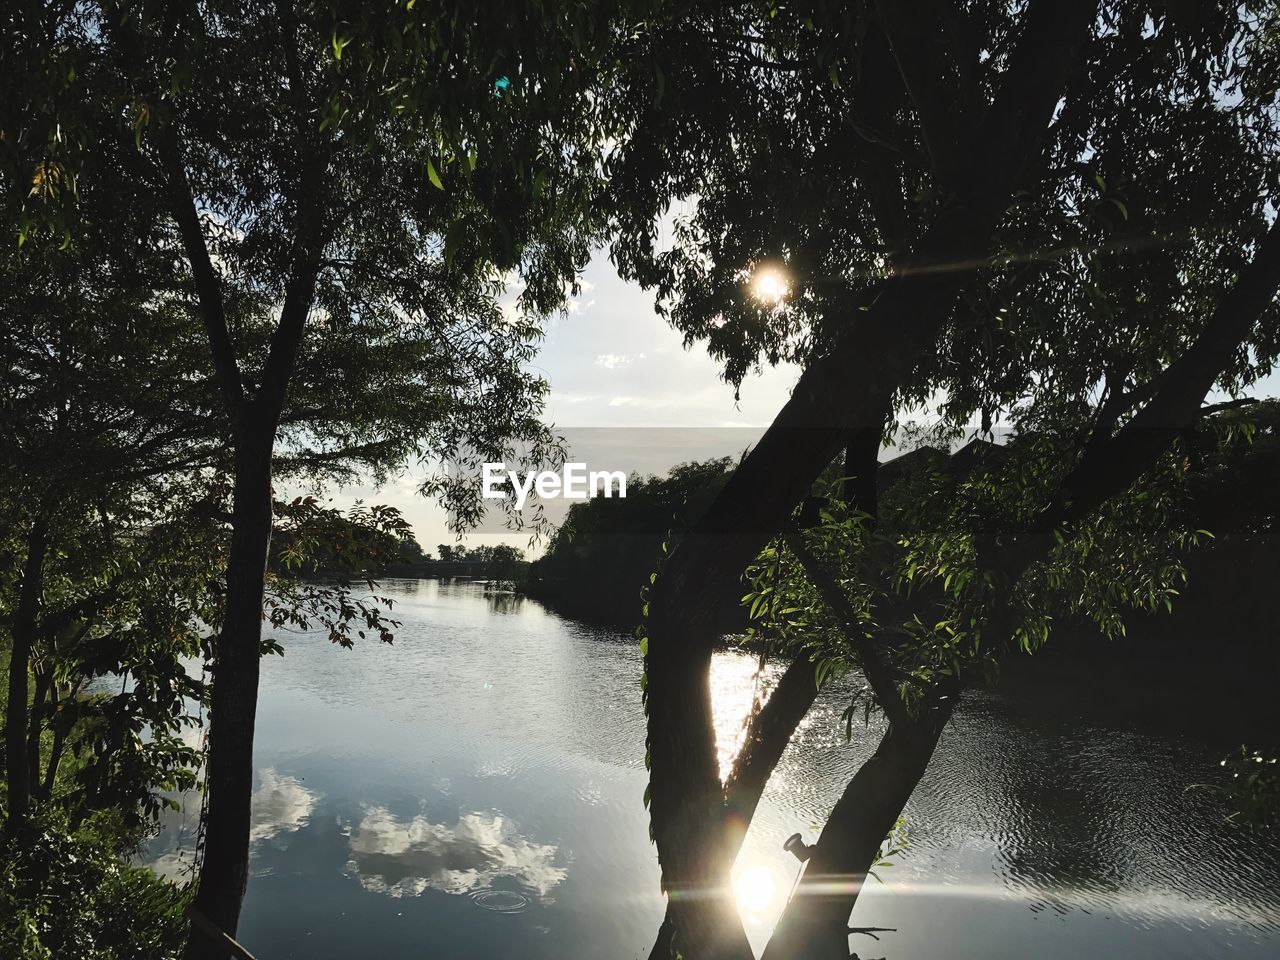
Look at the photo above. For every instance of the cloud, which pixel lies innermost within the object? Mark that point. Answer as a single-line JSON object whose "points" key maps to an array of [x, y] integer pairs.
{"points": [[577, 302], [176, 865], [577, 305], [404, 858]]}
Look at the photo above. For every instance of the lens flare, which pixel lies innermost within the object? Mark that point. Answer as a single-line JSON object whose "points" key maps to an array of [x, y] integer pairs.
{"points": [[754, 889], [770, 286]]}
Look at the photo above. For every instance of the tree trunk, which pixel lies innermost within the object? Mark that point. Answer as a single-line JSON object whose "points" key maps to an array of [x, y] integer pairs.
{"points": [[22, 630], [58, 724], [689, 818], [847, 389], [35, 728], [814, 925], [233, 707], [767, 737]]}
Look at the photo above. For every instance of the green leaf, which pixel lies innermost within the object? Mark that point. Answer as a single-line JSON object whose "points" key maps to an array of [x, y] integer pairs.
{"points": [[433, 176]]}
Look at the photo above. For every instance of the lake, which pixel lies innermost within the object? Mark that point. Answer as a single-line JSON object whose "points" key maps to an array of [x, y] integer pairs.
{"points": [[474, 791]]}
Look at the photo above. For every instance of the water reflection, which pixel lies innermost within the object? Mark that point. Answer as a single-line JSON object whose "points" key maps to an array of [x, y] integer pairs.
{"points": [[502, 600], [281, 804], [402, 858], [737, 681], [1054, 822]]}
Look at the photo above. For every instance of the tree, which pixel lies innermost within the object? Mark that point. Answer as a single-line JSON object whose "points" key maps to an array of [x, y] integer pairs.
{"points": [[501, 561], [108, 438], [346, 189], [599, 561], [918, 200]]}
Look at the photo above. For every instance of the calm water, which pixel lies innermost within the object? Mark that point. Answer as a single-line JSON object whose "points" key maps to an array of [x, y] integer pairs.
{"points": [[475, 791]]}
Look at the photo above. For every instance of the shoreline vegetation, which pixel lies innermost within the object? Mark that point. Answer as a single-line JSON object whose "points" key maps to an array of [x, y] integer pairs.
{"points": [[598, 563], [597, 566]]}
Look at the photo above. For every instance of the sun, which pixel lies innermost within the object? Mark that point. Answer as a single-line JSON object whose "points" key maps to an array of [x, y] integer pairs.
{"points": [[754, 890], [770, 286]]}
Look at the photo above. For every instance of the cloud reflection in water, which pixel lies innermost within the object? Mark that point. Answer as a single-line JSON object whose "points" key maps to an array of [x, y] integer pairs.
{"points": [[405, 858], [281, 804]]}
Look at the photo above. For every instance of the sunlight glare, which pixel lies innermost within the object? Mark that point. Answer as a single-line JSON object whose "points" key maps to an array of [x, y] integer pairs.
{"points": [[754, 889], [770, 286]]}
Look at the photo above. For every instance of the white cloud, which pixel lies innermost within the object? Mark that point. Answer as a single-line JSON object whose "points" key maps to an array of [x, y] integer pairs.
{"points": [[578, 303], [612, 361], [280, 805]]}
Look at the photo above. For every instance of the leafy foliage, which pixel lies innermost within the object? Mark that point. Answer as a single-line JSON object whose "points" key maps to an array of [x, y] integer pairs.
{"points": [[1254, 786], [782, 139], [918, 576], [66, 893]]}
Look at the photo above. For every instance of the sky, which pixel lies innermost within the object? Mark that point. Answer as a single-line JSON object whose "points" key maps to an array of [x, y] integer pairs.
{"points": [[613, 364]]}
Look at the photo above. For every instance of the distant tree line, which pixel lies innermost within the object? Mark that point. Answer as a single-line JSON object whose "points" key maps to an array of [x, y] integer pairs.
{"points": [[600, 559], [598, 564]]}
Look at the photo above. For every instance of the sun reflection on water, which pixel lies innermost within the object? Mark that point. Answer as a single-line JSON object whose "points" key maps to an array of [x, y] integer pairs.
{"points": [[760, 883], [736, 681], [757, 891]]}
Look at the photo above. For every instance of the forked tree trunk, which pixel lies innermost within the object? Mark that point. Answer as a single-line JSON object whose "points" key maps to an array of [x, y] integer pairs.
{"points": [[766, 739], [690, 831], [814, 925]]}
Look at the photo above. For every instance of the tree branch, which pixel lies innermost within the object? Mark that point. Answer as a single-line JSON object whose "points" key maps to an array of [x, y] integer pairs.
{"points": [[923, 62], [768, 733], [879, 95], [208, 287], [1110, 466], [878, 673]]}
